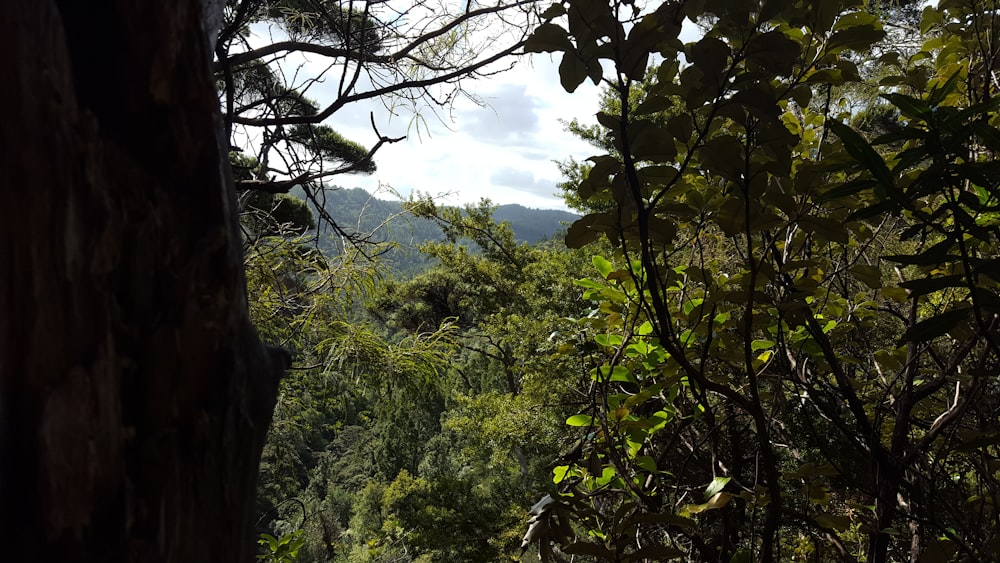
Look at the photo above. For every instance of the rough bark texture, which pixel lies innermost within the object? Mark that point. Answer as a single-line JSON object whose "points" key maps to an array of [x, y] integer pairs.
{"points": [[134, 393]]}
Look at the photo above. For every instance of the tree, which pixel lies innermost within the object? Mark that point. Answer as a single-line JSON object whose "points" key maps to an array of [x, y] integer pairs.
{"points": [[797, 325], [507, 389], [134, 392], [413, 58]]}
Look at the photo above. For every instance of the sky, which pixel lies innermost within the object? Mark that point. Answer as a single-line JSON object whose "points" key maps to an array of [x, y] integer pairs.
{"points": [[504, 150]]}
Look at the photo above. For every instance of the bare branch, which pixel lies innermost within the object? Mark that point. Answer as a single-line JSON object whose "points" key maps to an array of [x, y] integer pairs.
{"points": [[380, 92]]}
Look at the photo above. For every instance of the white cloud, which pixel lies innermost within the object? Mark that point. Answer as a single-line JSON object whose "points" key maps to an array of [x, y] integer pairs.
{"points": [[509, 116], [504, 151], [523, 181]]}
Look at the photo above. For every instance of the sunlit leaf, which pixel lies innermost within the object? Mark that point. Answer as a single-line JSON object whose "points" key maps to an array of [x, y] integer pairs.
{"points": [[716, 485], [603, 266]]}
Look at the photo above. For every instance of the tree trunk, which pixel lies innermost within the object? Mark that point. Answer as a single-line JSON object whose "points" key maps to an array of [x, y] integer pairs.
{"points": [[134, 393]]}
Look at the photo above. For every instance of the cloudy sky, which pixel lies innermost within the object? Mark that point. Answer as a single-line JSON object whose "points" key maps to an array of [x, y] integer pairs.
{"points": [[504, 151]]}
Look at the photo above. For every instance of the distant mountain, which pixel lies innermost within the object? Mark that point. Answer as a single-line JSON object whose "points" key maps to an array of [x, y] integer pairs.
{"points": [[533, 225], [355, 210]]}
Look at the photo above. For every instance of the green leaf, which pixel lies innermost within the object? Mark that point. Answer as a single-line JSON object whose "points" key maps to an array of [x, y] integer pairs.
{"points": [[724, 156], [858, 38], [580, 420], [589, 228], [731, 217], [633, 63], [802, 94], [572, 71], [553, 11], [657, 174], [847, 189], [559, 473], [989, 136], [619, 373], [609, 120], [681, 127], [830, 521], [716, 485], [977, 439], [270, 541], [770, 9], [853, 19], [758, 102], [653, 105], [929, 18], [868, 275], [930, 284], [710, 55], [826, 228], [652, 142], [936, 326], [910, 107], [583, 548], [833, 76], [939, 550], [604, 166], [548, 38], [646, 463], [603, 266], [935, 255], [810, 469], [940, 93], [858, 148], [819, 493], [773, 51], [717, 501]]}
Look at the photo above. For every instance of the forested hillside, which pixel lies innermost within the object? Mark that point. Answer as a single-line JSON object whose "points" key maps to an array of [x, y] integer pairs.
{"points": [[772, 336], [389, 223]]}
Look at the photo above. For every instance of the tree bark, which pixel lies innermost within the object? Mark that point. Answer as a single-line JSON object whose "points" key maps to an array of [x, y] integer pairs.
{"points": [[134, 392]]}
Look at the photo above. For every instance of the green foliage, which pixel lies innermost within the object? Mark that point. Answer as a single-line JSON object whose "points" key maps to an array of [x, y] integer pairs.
{"points": [[331, 146], [328, 22], [396, 233], [281, 550], [773, 337], [276, 214], [415, 433], [448, 518], [793, 335]]}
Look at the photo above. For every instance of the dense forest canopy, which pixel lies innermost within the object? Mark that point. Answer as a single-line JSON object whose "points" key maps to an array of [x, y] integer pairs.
{"points": [[773, 334], [771, 337]]}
